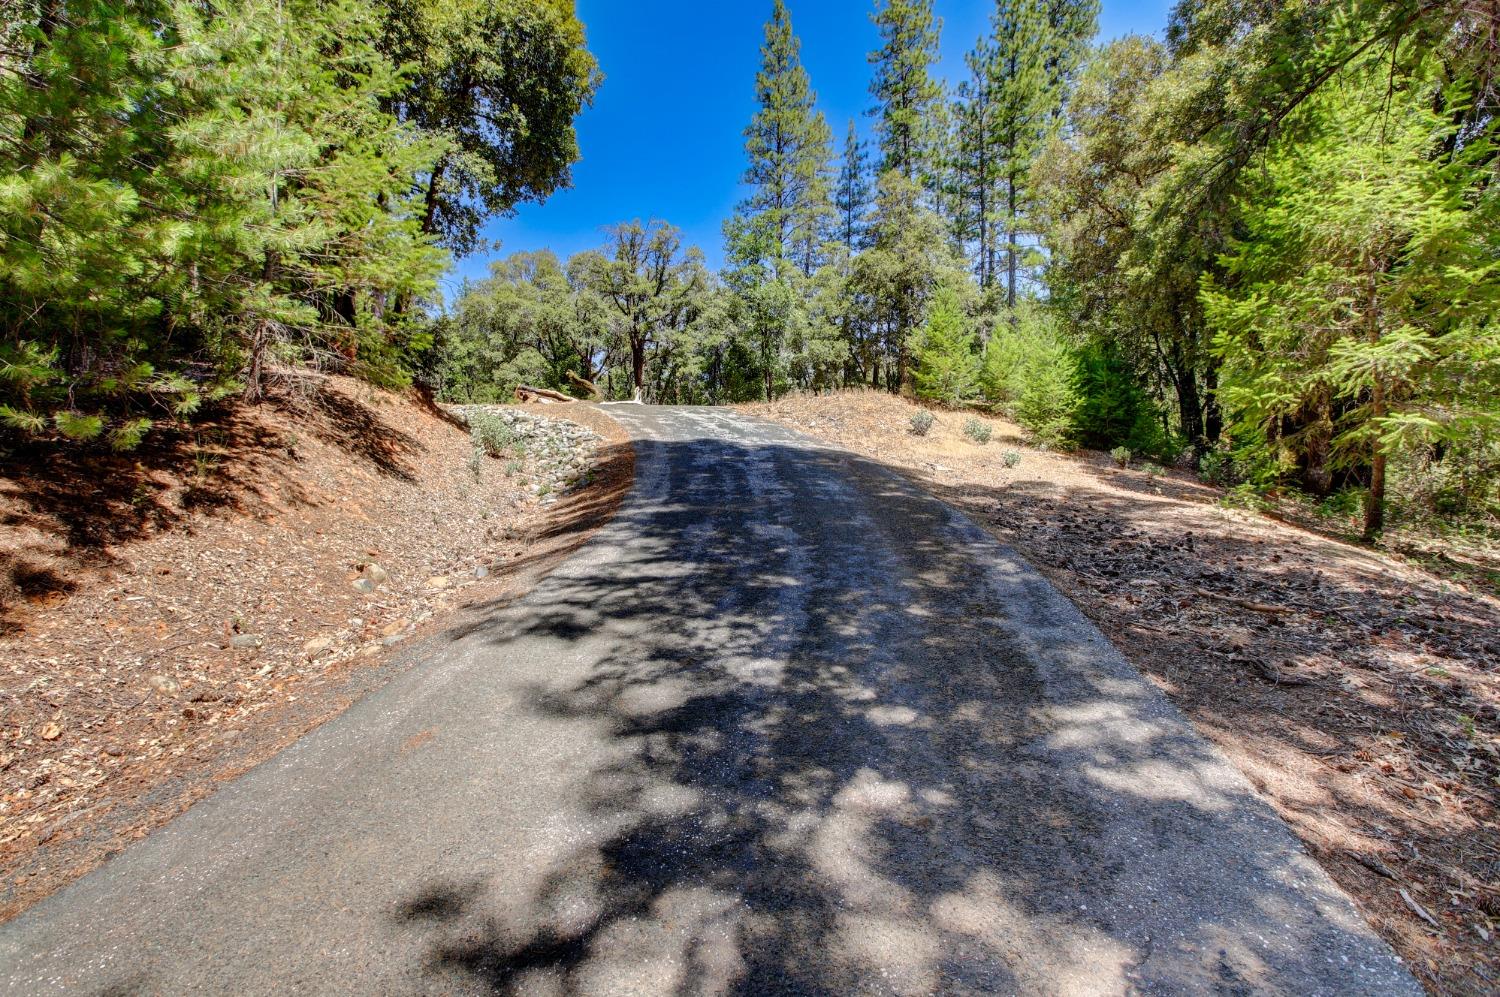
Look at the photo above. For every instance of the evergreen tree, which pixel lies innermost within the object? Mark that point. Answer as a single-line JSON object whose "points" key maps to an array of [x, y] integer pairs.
{"points": [[947, 361], [1071, 26], [893, 281], [852, 198], [904, 88], [1356, 321], [1024, 105], [1028, 368], [195, 185], [978, 163], [787, 144], [1113, 408]]}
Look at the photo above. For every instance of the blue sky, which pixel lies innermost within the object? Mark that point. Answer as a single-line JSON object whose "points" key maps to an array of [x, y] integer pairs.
{"points": [[664, 139]]}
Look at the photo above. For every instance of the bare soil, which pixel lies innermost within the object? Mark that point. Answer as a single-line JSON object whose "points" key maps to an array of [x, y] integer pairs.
{"points": [[1359, 693], [171, 617]]}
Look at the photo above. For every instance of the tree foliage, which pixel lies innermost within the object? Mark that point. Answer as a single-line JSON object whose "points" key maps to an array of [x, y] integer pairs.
{"points": [[192, 192]]}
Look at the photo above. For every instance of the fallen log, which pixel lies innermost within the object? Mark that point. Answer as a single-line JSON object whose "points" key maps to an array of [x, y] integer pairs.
{"points": [[526, 393], [584, 383]]}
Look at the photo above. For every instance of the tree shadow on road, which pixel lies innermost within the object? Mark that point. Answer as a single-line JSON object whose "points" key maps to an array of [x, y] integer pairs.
{"points": [[838, 742]]}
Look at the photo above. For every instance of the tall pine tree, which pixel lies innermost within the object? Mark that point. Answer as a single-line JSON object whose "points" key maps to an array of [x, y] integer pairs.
{"points": [[1024, 104], [787, 143], [852, 198], [905, 91], [978, 163]]}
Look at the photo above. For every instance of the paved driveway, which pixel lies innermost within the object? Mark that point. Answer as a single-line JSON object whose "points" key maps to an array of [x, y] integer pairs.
{"points": [[786, 725]]}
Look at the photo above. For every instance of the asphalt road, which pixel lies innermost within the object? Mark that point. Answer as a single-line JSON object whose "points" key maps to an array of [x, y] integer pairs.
{"points": [[786, 725]]}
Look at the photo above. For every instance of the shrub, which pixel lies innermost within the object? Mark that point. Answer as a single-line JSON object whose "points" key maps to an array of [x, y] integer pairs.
{"points": [[1245, 497], [1028, 369], [921, 422], [947, 358], [1121, 455], [978, 430], [491, 435], [1010, 458], [1344, 504], [1113, 409], [1216, 467]]}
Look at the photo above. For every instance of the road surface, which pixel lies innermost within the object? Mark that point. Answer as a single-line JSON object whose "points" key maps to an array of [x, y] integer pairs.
{"points": [[785, 725]]}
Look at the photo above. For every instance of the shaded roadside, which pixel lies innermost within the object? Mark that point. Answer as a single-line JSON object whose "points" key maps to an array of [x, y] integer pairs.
{"points": [[1360, 696], [131, 696]]}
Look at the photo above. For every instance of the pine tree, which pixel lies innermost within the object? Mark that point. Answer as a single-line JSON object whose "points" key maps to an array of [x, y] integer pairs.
{"points": [[220, 182], [1024, 104], [978, 163], [852, 198], [947, 361], [1071, 26], [787, 144], [815, 218], [904, 88]]}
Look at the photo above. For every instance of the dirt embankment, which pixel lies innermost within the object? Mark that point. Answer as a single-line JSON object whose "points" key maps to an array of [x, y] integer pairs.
{"points": [[1360, 694], [171, 617]]}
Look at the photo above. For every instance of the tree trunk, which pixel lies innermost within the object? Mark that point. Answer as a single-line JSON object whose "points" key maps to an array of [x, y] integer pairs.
{"points": [[255, 376], [1010, 250], [1375, 501], [638, 364], [1189, 404], [1213, 416], [430, 202]]}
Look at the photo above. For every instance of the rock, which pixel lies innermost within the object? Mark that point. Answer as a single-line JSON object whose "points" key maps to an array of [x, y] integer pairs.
{"points": [[164, 684], [438, 582], [395, 627], [377, 575], [482, 571], [393, 640], [246, 642], [363, 585], [51, 732], [317, 647]]}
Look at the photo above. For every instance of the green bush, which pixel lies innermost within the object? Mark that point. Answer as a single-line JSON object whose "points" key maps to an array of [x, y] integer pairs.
{"points": [[921, 422], [947, 358], [1343, 504], [978, 430], [1010, 458], [1216, 467], [1121, 456], [491, 435], [1113, 409], [1028, 371]]}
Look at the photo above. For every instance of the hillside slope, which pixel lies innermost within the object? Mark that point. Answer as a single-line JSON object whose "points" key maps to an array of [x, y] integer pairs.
{"points": [[1360, 694], [175, 615]]}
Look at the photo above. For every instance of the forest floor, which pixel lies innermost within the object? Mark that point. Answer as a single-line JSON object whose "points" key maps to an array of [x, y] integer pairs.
{"points": [[172, 617], [1357, 691]]}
